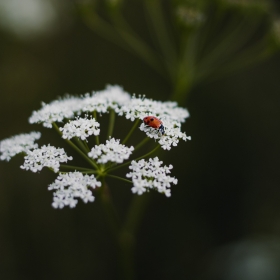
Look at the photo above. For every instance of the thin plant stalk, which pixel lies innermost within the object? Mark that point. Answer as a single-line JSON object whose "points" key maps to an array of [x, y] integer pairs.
{"points": [[111, 123], [127, 235], [96, 136], [164, 38], [81, 145], [129, 42], [74, 167], [109, 208], [86, 145], [131, 131], [143, 142], [119, 178]]}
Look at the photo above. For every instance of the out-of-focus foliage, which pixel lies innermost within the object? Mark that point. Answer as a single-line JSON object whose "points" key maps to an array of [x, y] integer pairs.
{"points": [[190, 41], [219, 58]]}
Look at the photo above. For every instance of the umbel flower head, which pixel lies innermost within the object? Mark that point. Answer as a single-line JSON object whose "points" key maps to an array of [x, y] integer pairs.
{"points": [[75, 118]]}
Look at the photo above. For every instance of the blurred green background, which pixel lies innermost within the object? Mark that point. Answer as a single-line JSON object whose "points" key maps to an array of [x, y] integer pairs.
{"points": [[223, 219]]}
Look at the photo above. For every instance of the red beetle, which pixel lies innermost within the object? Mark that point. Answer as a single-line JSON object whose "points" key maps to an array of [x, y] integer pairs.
{"points": [[154, 122]]}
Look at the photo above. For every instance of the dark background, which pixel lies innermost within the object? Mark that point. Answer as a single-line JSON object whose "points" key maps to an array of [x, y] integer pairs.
{"points": [[223, 219]]}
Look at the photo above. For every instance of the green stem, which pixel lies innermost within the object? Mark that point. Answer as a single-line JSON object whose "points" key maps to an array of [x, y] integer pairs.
{"points": [[86, 145], [122, 38], [92, 163], [81, 145], [111, 123], [74, 167], [185, 77], [127, 163], [161, 32], [122, 238], [89, 172], [233, 41], [131, 131], [96, 137], [109, 209], [127, 234], [144, 141], [135, 212], [119, 178], [244, 60]]}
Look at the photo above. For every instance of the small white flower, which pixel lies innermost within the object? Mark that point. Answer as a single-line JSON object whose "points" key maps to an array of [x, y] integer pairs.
{"points": [[139, 186], [70, 186], [150, 174], [81, 128], [21, 143], [112, 151], [58, 202], [46, 156]]}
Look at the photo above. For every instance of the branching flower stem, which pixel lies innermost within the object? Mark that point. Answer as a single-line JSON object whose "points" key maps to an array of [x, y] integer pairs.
{"points": [[91, 162], [110, 169]]}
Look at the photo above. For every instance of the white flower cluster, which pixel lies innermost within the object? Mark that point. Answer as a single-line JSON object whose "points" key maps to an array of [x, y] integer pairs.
{"points": [[138, 108], [56, 111], [112, 151], [70, 186], [46, 156], [150, 174], [172, 134], [114, 98], [110, 98], [67, 108], [168, 112], [81, 128], [21, 143], [74, 112]]}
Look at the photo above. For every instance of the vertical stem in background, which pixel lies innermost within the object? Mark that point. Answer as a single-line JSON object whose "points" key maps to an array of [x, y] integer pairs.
{"points": [[111, 123], [122, 37], [127, 236], [162, 34], [186, 69], [110, 211]]}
